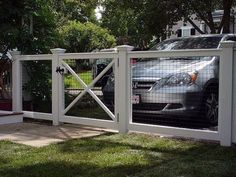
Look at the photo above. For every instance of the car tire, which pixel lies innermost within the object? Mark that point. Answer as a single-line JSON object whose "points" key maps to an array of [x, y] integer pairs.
{"points": [[210, 106], [104, 81]]}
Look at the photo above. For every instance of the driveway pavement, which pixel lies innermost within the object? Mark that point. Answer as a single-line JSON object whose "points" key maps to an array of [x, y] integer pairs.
{"points": [[38, 135]]}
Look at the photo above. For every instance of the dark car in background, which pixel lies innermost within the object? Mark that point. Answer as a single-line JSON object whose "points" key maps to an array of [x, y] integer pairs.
{"points": [[99, 66], [176, 85]]}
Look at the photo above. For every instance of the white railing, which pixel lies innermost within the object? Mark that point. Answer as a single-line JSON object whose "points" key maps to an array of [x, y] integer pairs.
{"points": [[226, 133], [41, 57], [175, 53]]}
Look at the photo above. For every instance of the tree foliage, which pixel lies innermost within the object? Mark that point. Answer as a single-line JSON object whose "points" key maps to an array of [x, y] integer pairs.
{"points": [[9, 18], [203, 10], [123, 21], [28, 25], [32, 25], [39, 84], [141, 20], [85, 37], [80, 10]]}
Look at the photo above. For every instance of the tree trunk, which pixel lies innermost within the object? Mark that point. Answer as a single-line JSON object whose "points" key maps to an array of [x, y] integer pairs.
{"points": [[225, 22], [195, 26]]}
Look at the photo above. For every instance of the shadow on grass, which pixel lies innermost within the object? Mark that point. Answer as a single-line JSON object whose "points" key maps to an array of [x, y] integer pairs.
{"points": [[184, 166], [162, 145], [68, 169], [114, 155]]}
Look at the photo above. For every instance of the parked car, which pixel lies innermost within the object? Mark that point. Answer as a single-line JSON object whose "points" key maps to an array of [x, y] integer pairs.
{"points": [[99, 66], [177, 85]]}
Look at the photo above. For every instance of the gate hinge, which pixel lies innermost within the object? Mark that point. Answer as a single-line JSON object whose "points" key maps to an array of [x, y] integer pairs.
{"points": [[118, 62], [118, 118]]}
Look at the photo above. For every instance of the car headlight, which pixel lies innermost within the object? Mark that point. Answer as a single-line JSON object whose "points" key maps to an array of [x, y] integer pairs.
{"points": [[178, 79]]}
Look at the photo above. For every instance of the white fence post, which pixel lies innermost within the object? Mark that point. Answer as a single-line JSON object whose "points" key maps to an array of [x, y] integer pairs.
{"points": [[225, 93], [124, 90], [16, 82], [234, 97], [55, 85]]}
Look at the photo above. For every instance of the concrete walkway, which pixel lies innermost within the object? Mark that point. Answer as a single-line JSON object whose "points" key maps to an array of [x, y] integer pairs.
{"points": [[38, 135]]}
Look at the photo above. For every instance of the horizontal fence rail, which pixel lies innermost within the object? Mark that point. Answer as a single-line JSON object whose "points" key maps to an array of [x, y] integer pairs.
{"points": [[96, 55], [175, 131], [41, 57], [38, 115], [90, 122], [175, 53]]}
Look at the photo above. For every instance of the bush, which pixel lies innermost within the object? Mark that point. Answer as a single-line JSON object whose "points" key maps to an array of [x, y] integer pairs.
{"points": [[85, 37], [38, 84]]}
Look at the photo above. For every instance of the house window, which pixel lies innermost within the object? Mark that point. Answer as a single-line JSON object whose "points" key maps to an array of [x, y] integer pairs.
{"points": [[185, 31]]}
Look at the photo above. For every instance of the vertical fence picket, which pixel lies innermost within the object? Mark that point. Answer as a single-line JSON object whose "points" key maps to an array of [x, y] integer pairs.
{"points": [[124, 88], [55, 85], [16, 82], [234, 98]]}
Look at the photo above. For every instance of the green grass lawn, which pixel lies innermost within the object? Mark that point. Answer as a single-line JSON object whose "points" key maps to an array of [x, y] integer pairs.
{"points": [[115, 155], [92, 112], [72, 83]]}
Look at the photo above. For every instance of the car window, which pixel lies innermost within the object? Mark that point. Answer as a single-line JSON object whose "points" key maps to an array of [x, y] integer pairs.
{"points": [[188, 43], [231, 39]]}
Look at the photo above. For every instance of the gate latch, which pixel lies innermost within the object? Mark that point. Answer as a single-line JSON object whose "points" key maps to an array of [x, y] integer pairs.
{"points": [[60, 70]]}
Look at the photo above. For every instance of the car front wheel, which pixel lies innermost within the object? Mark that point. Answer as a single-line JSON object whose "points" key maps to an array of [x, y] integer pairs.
{"points": [[211, 106]]}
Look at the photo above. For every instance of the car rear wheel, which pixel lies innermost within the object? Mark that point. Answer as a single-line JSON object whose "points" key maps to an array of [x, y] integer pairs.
{"points": [[211, 106]]}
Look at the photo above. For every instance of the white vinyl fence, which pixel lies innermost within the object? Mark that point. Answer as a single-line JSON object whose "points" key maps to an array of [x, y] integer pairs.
{"points": [[121, 117]]}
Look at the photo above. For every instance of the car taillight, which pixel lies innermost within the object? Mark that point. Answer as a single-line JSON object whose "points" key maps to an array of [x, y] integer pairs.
{"points": [[133, 61]]}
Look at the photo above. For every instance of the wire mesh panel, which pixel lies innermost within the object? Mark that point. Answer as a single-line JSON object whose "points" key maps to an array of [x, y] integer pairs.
{"points": [[37, 86], [84, 85], [176, 91], [5, 85]]}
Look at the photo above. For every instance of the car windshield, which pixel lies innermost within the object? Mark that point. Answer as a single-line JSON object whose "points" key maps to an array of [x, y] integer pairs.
{"points": [[188, 43]]}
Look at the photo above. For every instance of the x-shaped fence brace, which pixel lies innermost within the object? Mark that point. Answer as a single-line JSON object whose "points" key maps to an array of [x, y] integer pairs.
{"points": [[87, 88]]}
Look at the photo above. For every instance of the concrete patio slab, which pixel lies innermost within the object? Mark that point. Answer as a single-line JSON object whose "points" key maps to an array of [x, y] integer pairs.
{"points": [[39, 135]]}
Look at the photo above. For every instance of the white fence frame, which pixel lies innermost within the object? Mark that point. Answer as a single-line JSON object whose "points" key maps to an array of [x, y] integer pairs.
{"points": [[183, 132], [226, 133], [111, 124], [17, 105]]}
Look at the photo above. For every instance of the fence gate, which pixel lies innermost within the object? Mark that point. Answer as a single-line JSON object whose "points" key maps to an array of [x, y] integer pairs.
{"points": [[81, 79]]}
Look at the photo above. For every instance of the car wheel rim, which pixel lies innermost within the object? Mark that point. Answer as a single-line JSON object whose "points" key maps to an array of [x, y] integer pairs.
{"points": [[211, 106]]}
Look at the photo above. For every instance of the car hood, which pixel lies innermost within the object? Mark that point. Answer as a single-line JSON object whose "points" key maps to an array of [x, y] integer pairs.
{"points": [[160, 68]]}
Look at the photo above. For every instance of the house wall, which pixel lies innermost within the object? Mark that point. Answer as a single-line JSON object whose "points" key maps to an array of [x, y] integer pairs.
{"points": [[217, 17], [181, 23]]}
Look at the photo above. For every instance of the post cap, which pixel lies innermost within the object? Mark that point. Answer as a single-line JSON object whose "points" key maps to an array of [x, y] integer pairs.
{"points": [[15, 52], [125, 48], [58, 50]]}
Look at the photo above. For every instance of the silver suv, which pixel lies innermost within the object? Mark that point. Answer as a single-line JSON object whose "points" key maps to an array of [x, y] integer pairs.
{"points": [[176, 86]]}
